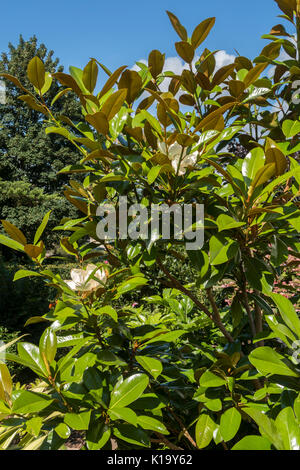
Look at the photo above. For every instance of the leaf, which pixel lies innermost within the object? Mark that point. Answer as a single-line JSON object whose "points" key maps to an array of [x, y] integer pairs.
{"points": [[268, 361], [254, 74], [221, 250], [201, 31], [33, 251], [225, 222], [90, 75], [262, 176], [209, 119], [152, 424], [111, 81], [129, 433], [6, 384], [128, 391], [62, 430], [14, 232], [185, 51], [267, 427], [180, 30], [151, 365], [41, 228], [132, 82], [125, 414], [204, 430], [167, 336], [31, 353], [24, 273], [131, 284], [288, 428], [78, 421], [209, 379], [33, 425], [67, 81], [36, 73], [274, 155], [48, 346], [114, 103], [156, 62], [252, 443], [48, 83], [290, 128], [109, 358], [153, 173], [230, 423], [25, 401], [60, 94], [253, 162], [287, 312], [99, 121], [97, 435], [108, 310]]}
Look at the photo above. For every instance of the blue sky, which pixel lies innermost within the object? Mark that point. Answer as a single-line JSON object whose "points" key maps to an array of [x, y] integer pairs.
{"points": [[122, 32]]}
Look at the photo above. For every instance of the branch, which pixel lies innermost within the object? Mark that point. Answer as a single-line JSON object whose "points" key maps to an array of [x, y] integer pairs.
{"points": [[164, 440], [183, 428], [217, 321]]}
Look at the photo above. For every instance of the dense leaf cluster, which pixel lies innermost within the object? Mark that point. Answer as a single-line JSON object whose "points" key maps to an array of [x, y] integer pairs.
{"points": [[207, 362]]}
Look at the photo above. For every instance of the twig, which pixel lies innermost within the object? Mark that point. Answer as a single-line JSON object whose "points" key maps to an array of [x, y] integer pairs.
{"points": [[183, 428], [164, 440], [200, 305]]}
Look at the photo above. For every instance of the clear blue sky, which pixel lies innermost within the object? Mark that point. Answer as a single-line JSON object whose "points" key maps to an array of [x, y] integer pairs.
{"points": [[122, 32]]}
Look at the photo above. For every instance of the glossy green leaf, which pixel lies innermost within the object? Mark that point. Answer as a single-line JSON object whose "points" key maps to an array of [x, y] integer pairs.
{"points": [[288, 428], [225, 222], [152, 424], [33, 425], [180, 30], [25, 273], [128, 433], [253, 443], [6, 384], [268, 361], [253, 161], [90, 75], [41, 228], [205, 427], [36, 73], [11, 243], [209, 379], [128, 391], [124, 414], [230, 423], [78, 421], [62, 430], [266, 426], [31, 353], [14, 232], [287, 312], [48, 346], [25, 401], [221, 250], [97, 435], [151, 365], [201, 31]]}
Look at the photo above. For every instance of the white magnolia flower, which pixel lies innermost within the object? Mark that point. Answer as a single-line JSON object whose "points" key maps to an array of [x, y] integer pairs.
{"points": [[80, 278], [175, 152]]}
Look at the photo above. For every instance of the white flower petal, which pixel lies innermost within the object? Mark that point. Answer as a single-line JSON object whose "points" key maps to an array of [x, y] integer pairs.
{"points": [[71, 284]]}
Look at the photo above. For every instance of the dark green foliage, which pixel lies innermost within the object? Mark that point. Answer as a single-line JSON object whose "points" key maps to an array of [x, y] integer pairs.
{"points": [[30, 159]]}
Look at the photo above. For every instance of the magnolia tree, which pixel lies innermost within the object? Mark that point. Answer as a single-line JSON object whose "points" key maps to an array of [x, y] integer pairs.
{"points": [[209, 363]]}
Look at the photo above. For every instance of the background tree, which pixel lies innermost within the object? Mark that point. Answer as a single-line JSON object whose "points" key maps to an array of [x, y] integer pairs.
{"points": [[30, 159]]}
